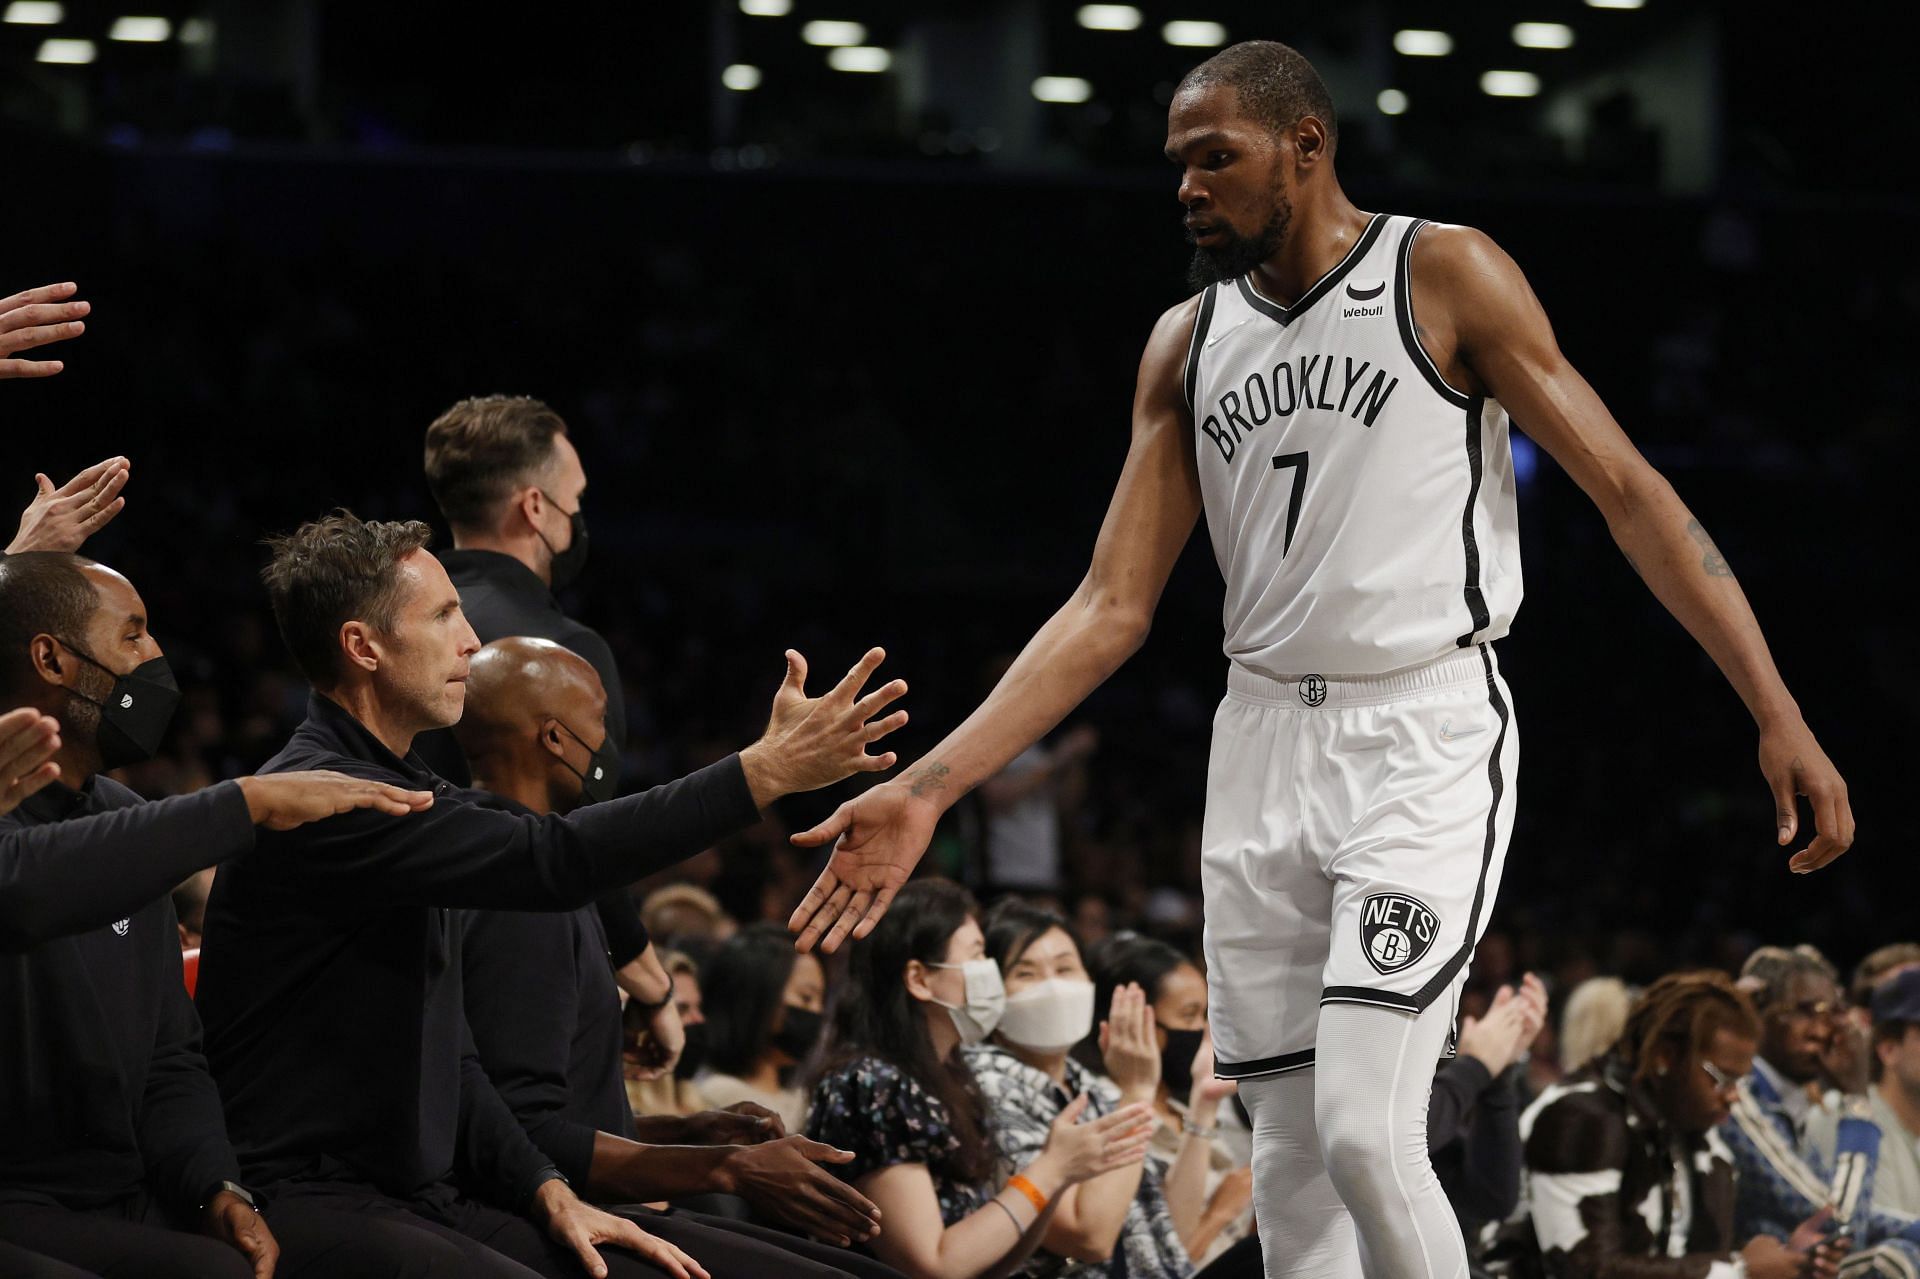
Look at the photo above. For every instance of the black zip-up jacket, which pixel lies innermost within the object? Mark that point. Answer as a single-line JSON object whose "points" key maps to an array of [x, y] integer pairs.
{"points": [[330, 978], [103, 1088]]}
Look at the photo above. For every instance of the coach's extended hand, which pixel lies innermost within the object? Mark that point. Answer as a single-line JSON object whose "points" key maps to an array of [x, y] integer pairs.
{"points": [[882, 835], [35, 318], [62, 519]]}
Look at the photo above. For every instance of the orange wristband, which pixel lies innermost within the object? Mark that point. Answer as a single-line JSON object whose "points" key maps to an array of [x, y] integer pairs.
{"points": [[1019, 1182]]}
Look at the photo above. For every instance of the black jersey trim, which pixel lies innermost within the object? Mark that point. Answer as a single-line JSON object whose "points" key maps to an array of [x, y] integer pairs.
{"points": [[1497, 783], [1288, 314], [1403, 310], [1200, 325], [1477, 615], [1264, 1065], [1368, 995]]}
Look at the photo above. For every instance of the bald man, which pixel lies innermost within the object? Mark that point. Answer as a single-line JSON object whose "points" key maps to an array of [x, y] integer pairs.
{"points": [[545, 1013]]}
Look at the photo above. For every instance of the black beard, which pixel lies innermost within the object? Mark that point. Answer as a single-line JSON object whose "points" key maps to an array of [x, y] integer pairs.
{"points": [[1240, 254]]}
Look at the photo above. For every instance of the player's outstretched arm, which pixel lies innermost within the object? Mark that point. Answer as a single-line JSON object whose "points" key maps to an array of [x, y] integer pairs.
{"points": [[879, 837], [1480, 318]]}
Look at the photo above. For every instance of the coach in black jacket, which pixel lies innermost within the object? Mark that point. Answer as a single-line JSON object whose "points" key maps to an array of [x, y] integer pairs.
{"points": [[330, 979], [112, 1147]]}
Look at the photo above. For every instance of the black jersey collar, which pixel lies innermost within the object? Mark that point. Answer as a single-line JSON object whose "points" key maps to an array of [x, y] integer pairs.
{"points": [[1325, 285]]}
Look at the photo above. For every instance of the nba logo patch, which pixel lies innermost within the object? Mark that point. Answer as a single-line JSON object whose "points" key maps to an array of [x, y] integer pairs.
{"points": [[1396, 930]]}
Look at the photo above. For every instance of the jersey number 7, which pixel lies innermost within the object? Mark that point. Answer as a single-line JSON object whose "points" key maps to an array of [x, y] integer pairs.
{"points": [[1299, 462]]}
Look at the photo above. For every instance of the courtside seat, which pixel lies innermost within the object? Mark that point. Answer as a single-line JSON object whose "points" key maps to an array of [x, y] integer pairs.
{"points": [[190, 968]]}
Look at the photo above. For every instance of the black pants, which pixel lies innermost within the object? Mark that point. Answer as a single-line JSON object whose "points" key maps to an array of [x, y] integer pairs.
{"points": [[459, 1238], [838, 1260], [136, 1239], [1242, 1261]]}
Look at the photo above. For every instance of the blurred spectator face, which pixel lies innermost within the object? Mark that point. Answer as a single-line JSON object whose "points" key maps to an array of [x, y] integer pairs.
{"points": [[422, 672], [807, 986], [1698, 1093], [1181, 1001], [1798, 1029], [797, 1025], [1900, 1059], [1051, 954], [686, 998], [938, 989]]}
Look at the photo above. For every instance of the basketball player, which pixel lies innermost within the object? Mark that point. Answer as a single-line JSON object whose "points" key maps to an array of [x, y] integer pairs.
{"points": [[1336, 399]]}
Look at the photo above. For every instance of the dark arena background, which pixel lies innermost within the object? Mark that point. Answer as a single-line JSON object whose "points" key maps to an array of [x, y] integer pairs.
{"points": [[845, 325]]}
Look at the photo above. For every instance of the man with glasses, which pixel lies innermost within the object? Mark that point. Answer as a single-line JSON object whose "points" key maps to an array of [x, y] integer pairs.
{"points": [[1791, 1157]]}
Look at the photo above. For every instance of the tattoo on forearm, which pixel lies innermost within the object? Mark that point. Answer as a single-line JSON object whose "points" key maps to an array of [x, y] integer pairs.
{"points": [[929, 777], [1714, 563]]}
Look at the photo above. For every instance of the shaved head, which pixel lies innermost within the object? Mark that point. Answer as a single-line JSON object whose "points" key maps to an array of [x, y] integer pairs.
{"points": [[532, 705]]}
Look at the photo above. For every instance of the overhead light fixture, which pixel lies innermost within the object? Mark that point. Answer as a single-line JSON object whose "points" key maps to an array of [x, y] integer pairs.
{"points": [[140, 30], [1062, 88], [741, 77], [833, 34], [1510, 84], [766, 8], [1616, 4], [73, 53], [1543, 35], [1391, 102], [1422, 44], [862, 58], [1194, 35], [1108, 17], [34, 13], [196, 31]]}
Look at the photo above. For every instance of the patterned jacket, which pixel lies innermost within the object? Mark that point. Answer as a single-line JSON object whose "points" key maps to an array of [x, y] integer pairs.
{"points": [[1784, 1178], [1612, 1192]]}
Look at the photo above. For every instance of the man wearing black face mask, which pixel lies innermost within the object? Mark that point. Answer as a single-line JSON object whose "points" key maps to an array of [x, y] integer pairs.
{"points": [[545, 1014], [113, 1149], [512, 488]]}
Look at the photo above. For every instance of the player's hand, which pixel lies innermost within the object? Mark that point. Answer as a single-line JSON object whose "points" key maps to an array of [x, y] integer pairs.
{"points": [[812, 742], [233, 1221], [1128, 1047], [35, 318], [28, 743], [878, 838], [582, 1228], [61, 519], [1794, 765], [282, 801]]}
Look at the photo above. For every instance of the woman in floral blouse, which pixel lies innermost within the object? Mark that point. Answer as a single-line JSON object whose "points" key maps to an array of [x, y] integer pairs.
{"points": [[897, 1093]]}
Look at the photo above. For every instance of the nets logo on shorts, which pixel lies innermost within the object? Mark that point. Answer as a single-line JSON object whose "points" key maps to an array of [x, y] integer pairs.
{"points": [[1313, 689], [1396, 930]]}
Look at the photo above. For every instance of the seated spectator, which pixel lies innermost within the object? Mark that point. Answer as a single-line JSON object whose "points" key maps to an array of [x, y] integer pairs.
{"points": [[1595, 1014], [1896, 1091], [652, 1093], [897, 1092], [1626, 1174], [1201, 1151], [767, 1024], [545, 1013], [1473, 1116], [1120, 1223], [681, 911], [1776, 1126], [1879, 966]]}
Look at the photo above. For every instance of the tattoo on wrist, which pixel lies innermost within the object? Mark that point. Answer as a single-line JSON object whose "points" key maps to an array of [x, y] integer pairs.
{"points": [[1711, 561], [928, 778]]}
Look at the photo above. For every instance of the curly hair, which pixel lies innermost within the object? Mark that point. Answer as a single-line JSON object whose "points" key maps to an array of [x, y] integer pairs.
{"points": [[1681, 1012]]}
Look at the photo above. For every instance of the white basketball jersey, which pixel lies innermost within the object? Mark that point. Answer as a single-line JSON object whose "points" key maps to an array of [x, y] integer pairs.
{"points": [[1361, 509]]}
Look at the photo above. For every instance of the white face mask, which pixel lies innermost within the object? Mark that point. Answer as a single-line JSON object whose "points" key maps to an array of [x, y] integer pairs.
{"points": [[1050, 1016], [986, 999]]}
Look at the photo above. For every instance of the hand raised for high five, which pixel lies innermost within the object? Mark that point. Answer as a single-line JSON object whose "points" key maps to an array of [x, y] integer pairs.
{"points": [[61, 519], [816, 741], [34, 318]]}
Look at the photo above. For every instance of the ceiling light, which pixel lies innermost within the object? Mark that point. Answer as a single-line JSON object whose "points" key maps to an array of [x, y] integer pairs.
{"points": [[1510, 84], [34, 13], [741, 77], [1194, 35], [833, 33], [140, 30], [1422, 44], [766, 8], [69, 52], [1062, 88], [1615, 4], [1543, 35], [1108, 17], [1391, 102], [862, 58]]}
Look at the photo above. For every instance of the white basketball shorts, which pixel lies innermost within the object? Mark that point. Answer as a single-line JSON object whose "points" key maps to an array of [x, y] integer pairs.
{"points": [[1355, 833]]}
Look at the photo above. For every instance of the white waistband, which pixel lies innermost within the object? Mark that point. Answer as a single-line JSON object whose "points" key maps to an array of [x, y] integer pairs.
{"points": [[1468, 668]]}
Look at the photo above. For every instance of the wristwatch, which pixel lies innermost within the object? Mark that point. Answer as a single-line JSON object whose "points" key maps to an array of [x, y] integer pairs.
{"points": [[233, 1188]]}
